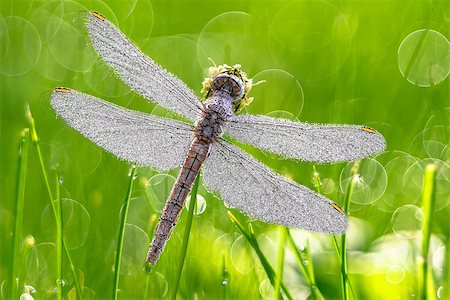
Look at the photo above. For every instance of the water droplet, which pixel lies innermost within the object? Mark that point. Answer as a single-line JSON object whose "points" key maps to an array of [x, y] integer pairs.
{"points": [[26, 296], [225, 282], [423, 57], [61, 282], [29, 241], [305, 262], [60, 180], [29, 289], [130, 170]]}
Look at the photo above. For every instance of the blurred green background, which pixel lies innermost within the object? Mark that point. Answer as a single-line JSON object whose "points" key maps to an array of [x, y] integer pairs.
{"points": [[379, 63]]}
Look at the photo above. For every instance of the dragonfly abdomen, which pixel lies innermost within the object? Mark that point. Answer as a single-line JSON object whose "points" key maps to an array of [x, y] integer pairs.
{"points": [[195, 157]]}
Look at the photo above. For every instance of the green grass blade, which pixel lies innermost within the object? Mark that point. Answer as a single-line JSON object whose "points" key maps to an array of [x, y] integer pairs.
{"points": [[18, 213], [123, 221], [251, 238], [35, 141], [346, 204], [59, 240], [428, 200], [280, 263], [187, 231]]}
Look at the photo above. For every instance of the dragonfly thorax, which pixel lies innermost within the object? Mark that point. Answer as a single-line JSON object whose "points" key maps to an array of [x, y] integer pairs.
{"points": [[217, 111]]}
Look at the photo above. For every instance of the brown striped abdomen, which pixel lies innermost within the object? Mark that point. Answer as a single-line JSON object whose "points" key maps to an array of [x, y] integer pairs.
{"points": [[195, 157]]}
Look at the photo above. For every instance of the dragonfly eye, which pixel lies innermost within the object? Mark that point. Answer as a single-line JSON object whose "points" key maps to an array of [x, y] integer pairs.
{"points": [[230, 84]]}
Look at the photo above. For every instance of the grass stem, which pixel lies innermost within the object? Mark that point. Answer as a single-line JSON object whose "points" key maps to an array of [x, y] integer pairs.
{"points": [[251, 238], [280, 263], [18, 213], [35, 141], [428, 200], [59, 240], [344, 275], [187, 231], [122, 226]]}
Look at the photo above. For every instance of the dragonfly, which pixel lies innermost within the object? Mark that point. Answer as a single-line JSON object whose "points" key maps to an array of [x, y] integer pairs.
{"points": [[201, 141]]}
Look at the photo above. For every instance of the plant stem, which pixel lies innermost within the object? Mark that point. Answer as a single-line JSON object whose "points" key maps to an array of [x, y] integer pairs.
{"points": [[344, 274], [59, 239], [18, 218], [251, 238], [428, 200], [123, 221], [280, 263], [35, 141], [187, 231]]}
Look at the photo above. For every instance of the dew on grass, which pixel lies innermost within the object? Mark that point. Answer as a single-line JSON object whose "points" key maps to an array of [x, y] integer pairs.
{"points": [[200, 206], [76, 223], [29, 289], [423, 57], [26, 296], [282, 94], [135, 246], [395, 274], [369, 184], [158, 189], [242, 256], [61, 282], [407, 221], [20, 45]]}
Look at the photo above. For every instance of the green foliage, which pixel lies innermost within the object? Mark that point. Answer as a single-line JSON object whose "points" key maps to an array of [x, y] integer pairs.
{"points": [[360, 62]]}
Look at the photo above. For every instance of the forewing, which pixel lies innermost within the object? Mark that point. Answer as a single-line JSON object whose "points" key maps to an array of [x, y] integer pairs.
{"points": [[246, 184], [321, 143], [140, 138], [140, 72]]}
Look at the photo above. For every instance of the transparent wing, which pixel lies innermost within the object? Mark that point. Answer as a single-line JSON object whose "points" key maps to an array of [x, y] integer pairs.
{"points": [[322, 143], [139, 71], [246, 184], [133, 136]]}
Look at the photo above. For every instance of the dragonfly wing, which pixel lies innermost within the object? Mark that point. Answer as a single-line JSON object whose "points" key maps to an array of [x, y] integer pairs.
{"points": [[248, 185], [140, 72], [137, 137], [321, 143]]}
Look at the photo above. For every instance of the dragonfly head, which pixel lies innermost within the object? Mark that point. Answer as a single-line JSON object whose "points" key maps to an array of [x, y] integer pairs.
{"points": [[230, 79], [229, 84]]}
